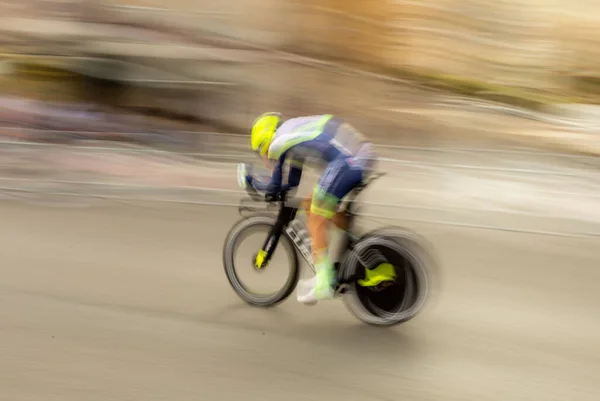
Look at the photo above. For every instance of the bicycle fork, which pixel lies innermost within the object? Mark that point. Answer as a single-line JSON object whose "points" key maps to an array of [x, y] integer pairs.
{"points": [[264, 255]]}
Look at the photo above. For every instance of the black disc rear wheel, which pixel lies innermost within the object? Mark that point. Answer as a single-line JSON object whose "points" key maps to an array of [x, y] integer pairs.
{"points": [[403, 299]]}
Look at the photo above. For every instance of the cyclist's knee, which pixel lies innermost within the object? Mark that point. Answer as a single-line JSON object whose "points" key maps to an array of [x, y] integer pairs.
{"points": [[317, 222], [324, 204]]}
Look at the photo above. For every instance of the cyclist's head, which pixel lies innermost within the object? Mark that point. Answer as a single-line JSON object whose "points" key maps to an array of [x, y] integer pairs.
{"points": [[263, 129]]}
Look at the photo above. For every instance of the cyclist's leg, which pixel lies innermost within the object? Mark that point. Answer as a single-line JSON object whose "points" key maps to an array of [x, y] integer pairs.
{"points": [[340, 220], [337, 181], [340, 177], [367, 159]]}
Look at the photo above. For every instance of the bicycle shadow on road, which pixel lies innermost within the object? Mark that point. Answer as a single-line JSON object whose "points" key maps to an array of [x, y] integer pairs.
{"points": [[334, 330]]}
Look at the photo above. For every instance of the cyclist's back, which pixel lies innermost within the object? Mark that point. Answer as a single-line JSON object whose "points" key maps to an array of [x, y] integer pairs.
{"points": [[321, 139]]}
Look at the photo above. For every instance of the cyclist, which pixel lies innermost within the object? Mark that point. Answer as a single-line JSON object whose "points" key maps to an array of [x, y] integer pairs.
{"points": [[329, 142]]}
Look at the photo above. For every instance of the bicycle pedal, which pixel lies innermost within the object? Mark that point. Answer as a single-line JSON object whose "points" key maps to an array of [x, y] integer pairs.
{"points": [[340, 290]]}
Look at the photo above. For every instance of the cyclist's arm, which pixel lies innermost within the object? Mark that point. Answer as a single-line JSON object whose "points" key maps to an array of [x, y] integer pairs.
{"points": [[274, 184], [294, 175]]}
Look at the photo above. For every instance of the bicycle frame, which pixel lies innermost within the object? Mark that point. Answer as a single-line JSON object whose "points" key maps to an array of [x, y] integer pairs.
{"points": [[298, 233]]}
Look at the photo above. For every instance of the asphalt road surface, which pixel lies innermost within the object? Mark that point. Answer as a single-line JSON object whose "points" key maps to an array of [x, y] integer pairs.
{"points": [[131, 303]]}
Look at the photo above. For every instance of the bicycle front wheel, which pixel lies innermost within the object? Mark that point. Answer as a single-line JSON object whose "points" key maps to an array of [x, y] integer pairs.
{"points": [[236, 267]]}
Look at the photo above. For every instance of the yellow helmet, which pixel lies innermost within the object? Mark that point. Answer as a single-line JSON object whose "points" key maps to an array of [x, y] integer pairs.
{"points": [[263, 129]]}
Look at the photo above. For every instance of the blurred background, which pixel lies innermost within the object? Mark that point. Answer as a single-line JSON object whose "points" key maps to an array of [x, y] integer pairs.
{"points": [[496, 90], [224, 62], [121, 123]]}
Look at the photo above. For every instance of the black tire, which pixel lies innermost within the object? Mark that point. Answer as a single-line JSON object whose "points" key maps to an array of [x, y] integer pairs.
{"points": [[235, 235], [402, 301]]}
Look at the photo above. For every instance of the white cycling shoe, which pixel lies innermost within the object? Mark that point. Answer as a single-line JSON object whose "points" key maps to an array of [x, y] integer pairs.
{"points": [[308, 293]]}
